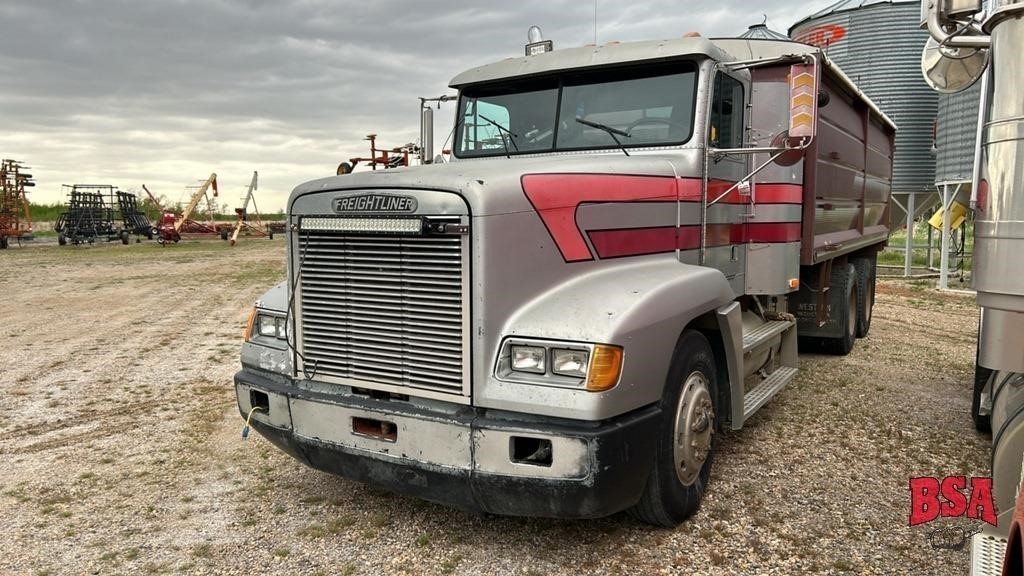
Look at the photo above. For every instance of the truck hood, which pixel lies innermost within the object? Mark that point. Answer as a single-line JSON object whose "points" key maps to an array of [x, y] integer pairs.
{"points": [[492, 186]]}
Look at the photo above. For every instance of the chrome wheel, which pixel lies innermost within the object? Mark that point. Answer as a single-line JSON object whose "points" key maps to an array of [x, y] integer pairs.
{"points": [[694, 427]]}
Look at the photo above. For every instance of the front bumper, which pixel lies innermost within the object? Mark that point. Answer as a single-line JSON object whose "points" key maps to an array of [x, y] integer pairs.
{"points": [[462, 457]]}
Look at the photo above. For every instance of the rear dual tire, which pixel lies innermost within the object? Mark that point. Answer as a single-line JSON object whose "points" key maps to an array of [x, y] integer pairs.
{"points": [[865, 267], [845, 281]]}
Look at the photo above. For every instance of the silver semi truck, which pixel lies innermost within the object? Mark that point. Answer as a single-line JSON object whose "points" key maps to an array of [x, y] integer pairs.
{"points": [[961, 50], [617, 264]]}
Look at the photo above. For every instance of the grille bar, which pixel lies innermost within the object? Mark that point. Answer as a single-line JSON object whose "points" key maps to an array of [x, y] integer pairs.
{"points": [[385, 311]]}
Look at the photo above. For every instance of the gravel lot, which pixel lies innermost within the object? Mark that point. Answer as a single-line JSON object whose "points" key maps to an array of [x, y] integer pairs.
{"points": [[121, 450]]}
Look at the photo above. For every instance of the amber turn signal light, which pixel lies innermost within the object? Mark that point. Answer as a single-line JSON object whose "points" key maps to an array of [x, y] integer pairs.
{"points": [[249, 324], [605, 368]]}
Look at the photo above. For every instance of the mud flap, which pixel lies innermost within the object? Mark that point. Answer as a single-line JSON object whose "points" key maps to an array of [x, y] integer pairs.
{"points": [[804, 305]]}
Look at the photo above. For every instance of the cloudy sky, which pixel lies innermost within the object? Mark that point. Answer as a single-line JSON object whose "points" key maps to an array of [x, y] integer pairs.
{"points": [[163, 92]]}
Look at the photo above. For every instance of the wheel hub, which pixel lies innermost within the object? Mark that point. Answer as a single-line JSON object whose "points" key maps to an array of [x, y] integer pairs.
{"points": [[694, 428]]}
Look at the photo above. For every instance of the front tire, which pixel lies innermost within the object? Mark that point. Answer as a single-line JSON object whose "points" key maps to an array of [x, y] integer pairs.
{"points": [[687, 436]]}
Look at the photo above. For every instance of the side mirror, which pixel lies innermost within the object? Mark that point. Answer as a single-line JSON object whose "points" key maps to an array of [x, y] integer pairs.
{"points": [[426, 135], [949, 69]]}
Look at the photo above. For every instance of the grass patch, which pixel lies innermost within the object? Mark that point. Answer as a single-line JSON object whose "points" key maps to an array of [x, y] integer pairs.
{"points": [[339, 525], [449, 565], [204, 550], [313, 531]]}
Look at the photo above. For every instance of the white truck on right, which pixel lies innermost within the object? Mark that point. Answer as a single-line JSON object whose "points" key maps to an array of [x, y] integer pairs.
{"points": [[963, 49]]}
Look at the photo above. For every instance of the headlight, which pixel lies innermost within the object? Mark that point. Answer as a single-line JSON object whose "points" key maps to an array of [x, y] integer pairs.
{"points": [[267, 326], [529, 359], [570, 362], [592, 367]]}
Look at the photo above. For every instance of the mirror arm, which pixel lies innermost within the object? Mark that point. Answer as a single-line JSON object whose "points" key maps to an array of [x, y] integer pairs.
{"points": [[951, 40]]}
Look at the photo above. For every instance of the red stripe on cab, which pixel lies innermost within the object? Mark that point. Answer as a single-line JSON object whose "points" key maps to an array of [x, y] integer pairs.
{"points": [[641, 241], [556, 198]]}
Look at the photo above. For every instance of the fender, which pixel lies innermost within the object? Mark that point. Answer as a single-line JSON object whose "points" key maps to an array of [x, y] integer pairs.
{"points": [[641, 305]]}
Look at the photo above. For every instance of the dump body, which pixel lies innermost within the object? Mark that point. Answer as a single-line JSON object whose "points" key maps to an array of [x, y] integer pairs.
{"points": [[847, 189], [500, 332]]}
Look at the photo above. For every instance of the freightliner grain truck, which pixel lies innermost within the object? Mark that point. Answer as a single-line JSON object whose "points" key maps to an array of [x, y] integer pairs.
{"points": [[616, 265], [961, 49]]}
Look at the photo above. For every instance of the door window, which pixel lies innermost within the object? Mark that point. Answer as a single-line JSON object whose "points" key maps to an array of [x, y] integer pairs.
{"points": [[727, 114]]}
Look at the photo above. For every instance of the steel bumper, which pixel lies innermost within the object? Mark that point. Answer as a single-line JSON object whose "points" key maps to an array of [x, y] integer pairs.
{"points": [[462, 457]]}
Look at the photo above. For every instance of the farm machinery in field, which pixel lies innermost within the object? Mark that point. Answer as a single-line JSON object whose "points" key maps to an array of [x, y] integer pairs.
{"points": [[100, 212], [250, 221], [15, 217], [171, 226]]}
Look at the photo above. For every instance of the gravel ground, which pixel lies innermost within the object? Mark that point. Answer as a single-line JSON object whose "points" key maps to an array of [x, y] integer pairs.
{"points": [[121, 450]]}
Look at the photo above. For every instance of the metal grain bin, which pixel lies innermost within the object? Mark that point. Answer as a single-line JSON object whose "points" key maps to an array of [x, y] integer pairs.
{"points": [[878, 44], [955, 133]]}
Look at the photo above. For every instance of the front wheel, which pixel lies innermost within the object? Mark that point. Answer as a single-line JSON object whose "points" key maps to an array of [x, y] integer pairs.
{"points": [[687, 436]]}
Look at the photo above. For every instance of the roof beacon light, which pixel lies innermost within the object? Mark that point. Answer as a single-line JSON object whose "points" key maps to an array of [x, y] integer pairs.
{"points": [[536, 43]]}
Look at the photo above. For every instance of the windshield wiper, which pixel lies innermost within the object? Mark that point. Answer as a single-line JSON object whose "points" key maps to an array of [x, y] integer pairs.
{"points": [[511, 135], [609, 130]]}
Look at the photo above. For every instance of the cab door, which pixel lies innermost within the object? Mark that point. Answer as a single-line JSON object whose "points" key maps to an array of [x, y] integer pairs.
{"points": [[724, 249]]}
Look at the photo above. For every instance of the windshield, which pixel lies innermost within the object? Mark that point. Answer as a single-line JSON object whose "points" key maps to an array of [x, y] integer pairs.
{"points": [[652, 105]]}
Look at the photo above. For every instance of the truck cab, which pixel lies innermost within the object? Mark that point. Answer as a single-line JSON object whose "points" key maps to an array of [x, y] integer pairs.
{"points": [[611, 271]]}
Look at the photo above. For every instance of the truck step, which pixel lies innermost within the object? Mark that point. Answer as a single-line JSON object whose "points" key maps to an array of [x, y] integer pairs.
{"points": [[763, 333], [760, 395], [987, 555]]}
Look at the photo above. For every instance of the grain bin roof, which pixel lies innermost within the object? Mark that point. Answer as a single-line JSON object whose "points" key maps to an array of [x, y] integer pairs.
{"points": [[762, 32]]}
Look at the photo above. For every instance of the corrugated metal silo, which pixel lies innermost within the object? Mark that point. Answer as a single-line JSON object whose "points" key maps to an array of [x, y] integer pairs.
{"points": [[955, 134], [878, 44]]}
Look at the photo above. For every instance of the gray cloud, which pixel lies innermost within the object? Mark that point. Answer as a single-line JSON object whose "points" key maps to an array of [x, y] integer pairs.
{"points": [[164, 92]]}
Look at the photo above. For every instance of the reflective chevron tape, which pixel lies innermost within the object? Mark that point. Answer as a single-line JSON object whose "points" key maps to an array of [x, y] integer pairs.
{"points": [[803, 107]]}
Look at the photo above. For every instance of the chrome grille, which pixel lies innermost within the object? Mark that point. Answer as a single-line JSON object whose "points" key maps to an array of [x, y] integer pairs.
{"points": [[384, 311]]}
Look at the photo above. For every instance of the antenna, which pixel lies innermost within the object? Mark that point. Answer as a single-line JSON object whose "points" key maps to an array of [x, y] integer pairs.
{"points": [[595, 22]]}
